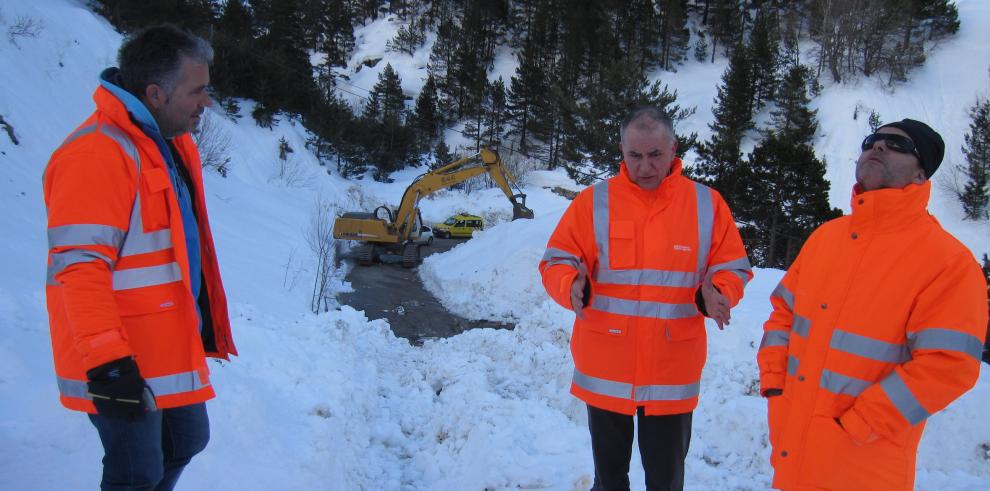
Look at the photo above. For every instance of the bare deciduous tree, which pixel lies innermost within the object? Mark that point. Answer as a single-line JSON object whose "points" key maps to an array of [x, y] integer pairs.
{"points": [[24, 27], [320, 240], [213, 143]]}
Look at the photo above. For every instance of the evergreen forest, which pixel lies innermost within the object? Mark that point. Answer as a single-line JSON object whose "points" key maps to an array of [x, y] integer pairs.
{"points": [[581, 66]]}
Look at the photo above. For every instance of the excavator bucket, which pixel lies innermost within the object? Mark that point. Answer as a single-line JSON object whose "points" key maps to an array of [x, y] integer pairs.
{"points": [[519, 209]]}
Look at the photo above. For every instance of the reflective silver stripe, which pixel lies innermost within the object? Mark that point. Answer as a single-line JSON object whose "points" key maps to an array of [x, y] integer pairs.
{"points": [[139, 242], [162, 386], [85, 234], [801, 326], [601, 386], [559, 254], [126, 279], [784, 294], [775, 338], [600, 217], [946, 339], [873, 349], [65, 259], [739, 266], [706, 220], [126, 144], [903, 399], [175, 384], [73, 388], [792, 364], [667, 392], [648, 277], [838, 383], [642, 308], [83, 131]]}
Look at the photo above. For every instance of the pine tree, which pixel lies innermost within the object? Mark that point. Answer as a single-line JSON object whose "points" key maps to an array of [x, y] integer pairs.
{"points": [[441, 65], [721, 155], [495, 115], [594, 139], [726, 25], [701, 47], [764, 45], [427, 119], [233, 44], [674, 34], [331, 29], [785, 198], [441, 155], [975, 197], [409, 38], [528, 92], [389, 141], [792, 118]]}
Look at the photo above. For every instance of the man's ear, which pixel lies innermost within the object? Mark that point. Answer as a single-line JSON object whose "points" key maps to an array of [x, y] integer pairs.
{"points": [[620, 148], [919, 176], [155, 96], [673, 148]]}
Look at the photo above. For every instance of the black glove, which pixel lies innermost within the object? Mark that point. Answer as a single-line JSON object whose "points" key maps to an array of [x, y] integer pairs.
{"points": [[119, 392]]}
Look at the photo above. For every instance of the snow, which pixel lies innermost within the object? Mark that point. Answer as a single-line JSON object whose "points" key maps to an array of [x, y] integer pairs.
{"points": [[335, 401]]}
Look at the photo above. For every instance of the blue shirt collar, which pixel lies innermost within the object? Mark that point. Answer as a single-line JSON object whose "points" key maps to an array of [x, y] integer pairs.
{"points": [[110, 80]]}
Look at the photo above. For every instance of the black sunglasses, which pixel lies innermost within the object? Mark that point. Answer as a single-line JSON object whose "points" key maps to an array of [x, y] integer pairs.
{"points": [[897, 143]]}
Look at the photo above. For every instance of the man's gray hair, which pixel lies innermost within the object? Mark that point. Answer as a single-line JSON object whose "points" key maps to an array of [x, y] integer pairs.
{"points": [[646, 117], [154, 55]]}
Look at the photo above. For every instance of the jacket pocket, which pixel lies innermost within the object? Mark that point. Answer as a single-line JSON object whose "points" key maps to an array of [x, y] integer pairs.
{"points": [[834, 461], [155, 183], [622, 244], [149, 299], [776, 418]]}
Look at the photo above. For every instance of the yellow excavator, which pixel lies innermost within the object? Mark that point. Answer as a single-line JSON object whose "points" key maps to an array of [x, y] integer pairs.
{"points": [[385, 231]]}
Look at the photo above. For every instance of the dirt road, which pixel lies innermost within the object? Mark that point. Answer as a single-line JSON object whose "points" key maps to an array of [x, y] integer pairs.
{"points": [[389, 291]]}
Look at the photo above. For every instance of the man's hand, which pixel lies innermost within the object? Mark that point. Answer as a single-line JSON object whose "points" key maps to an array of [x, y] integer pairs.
{"points": [[715, 303], [577, 291], [119, 391]]}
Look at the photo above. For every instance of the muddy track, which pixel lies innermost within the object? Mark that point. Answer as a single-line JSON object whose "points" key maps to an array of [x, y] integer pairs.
{"points": [[387, 290]]}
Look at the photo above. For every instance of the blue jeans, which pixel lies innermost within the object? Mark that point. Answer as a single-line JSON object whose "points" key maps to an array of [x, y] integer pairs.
{"points": [[150, 454]]}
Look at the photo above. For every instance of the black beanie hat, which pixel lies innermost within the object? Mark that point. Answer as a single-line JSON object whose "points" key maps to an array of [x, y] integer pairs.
{"points": [[929, 144]]}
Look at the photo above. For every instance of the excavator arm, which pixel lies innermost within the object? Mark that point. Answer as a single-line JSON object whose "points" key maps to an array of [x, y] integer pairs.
{"points": [[452, 174], [393, 233]]}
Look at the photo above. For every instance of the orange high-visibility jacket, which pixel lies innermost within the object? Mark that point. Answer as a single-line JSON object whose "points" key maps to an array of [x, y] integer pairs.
{"points": [[642, 342], [880, 323], [118, 274]]}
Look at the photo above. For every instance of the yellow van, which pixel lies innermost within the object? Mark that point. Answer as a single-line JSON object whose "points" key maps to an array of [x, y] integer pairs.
{"points": [[459, 225]]}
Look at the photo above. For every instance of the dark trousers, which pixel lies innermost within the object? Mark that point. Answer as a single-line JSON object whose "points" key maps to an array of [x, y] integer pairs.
{"points": [[150, 454], [663, 445]]}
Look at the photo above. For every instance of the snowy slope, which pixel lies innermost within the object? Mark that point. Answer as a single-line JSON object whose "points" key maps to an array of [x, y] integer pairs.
{"points": [[337, 402]]}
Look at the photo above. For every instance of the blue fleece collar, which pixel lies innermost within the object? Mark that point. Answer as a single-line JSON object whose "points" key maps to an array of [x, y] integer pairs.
{"points": [[110, 80]]}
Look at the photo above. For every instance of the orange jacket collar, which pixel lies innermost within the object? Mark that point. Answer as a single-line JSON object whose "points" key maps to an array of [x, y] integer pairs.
{"points": [[625, 179], [889, 209], [110, 105]]}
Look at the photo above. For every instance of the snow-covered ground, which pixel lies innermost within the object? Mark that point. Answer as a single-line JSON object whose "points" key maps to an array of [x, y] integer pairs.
{"points": [[334, 401]]}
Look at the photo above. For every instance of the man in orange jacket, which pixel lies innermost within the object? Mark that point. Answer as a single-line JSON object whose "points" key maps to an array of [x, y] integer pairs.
{"points": [[878, 324], [636, 257], [135, 300]]}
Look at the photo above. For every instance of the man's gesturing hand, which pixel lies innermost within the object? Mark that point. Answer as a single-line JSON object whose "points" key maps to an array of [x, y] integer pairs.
{"points": [[715, 303]]}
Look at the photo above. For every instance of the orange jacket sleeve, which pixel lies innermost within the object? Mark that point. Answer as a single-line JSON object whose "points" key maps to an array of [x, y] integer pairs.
{"points": [[945, 333], [572, 243], [88, 214], [772, 354], [727, 261]]}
